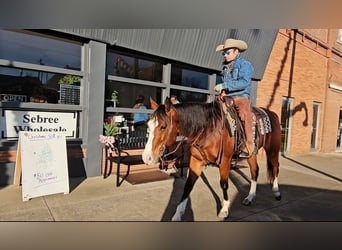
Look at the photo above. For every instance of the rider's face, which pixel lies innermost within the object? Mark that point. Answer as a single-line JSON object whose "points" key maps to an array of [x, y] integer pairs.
{"points": [[230, 54]]}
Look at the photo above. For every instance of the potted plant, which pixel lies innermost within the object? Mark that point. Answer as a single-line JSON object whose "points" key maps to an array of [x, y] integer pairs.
{"points": [[110, 131], [115, 97]]}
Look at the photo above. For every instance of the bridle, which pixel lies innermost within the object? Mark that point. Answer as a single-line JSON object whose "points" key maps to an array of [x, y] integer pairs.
{"points": [[162, 155]]}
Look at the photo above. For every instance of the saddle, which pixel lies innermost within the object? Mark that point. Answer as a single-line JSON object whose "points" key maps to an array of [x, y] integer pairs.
{"points": [[236, 127]]}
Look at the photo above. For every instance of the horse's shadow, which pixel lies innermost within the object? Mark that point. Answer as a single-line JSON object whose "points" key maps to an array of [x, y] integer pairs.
{"points": [[175, 196], [177, 190], [299, 203]]}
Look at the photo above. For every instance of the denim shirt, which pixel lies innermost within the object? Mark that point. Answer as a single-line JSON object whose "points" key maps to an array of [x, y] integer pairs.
{"points": [[238, 80]]}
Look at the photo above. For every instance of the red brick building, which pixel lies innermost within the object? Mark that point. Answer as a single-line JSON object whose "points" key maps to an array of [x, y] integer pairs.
{"points": [[303, 84]]}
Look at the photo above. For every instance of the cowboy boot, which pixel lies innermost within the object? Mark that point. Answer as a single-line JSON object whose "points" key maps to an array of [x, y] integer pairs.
{"points": [[248, 148]]}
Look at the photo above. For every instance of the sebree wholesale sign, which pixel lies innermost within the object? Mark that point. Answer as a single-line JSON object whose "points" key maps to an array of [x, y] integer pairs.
{"points": [[14, 121]]}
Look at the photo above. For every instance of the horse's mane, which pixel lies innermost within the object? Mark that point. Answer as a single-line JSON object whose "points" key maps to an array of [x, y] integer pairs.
{"points": [[194, 117]]}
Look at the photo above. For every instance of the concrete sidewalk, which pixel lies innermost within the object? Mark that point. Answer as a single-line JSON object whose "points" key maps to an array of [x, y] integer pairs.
{"points": [[311, 187]]}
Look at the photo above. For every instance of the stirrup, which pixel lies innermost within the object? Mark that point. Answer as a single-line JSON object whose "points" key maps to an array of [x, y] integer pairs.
{"points": [[244, 154]]}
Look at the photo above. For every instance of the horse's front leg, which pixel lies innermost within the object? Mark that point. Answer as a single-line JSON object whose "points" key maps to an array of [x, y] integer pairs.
{"points": [[254, 170], [190, 182], [224, 176], [224, 212]]}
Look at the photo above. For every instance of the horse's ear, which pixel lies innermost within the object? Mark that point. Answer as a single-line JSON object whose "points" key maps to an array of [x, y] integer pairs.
{"points": [[154, 105], [167, 104]]}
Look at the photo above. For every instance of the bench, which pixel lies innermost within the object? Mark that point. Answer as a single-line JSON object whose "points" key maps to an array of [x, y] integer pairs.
{"points": [[119, 153]]}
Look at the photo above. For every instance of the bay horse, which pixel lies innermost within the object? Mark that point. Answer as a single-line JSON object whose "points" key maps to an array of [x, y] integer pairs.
{"points": [[207, 131]]}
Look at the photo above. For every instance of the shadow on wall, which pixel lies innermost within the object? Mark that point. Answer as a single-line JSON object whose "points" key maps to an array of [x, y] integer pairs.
{"points": [[281, 70], [300, 107]]}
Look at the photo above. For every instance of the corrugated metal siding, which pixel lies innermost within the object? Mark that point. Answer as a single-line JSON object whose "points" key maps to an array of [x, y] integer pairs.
{"points": [[192, 46]]}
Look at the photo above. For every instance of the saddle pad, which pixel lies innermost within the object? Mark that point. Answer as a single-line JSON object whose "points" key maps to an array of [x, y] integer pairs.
{"points": [[262, 120]]}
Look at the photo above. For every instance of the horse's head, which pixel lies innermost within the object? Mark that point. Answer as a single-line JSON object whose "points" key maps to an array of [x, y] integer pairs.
{"points": [[163, 129]]}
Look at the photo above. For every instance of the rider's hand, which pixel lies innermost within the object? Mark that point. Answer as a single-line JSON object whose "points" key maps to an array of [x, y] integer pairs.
{"points": [[218, 88]]}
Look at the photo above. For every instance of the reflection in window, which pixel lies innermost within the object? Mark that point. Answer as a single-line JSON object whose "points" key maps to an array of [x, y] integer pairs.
{"points": [[189, 78], [187, 96], [127, 92], [37, 86], [28, 48], [133, 67]]}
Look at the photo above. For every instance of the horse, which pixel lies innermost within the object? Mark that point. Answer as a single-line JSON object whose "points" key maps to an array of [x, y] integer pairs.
{"points": [[211, 142]]}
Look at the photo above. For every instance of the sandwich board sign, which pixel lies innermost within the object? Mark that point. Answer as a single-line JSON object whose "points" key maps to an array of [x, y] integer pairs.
{"points": [[42, 164]]}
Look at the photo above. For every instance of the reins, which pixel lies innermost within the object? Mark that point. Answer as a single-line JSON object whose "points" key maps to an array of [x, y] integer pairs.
{"points": [[163, 156], [198, 146]]}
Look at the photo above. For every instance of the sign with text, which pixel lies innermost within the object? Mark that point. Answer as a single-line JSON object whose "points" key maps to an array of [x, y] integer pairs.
{"points": [[14, 121], [42, 164], [12, 98]]}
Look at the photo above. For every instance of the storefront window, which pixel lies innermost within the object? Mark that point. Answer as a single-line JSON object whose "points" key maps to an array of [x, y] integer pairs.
{"points": [[125, 95], [19, 85], [339, 36], [38, 83], [189, 78], [187, 96], [127, 92], [35, 49], [133, 67]]}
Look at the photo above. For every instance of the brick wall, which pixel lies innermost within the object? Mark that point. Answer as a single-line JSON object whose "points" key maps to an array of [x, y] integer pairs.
{"points": [[299, 67]]}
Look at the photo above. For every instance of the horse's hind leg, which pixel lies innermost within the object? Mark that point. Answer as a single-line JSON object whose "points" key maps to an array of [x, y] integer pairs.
{"points": [[272, 151], [273, 171], [190, 182], [254, 170]]}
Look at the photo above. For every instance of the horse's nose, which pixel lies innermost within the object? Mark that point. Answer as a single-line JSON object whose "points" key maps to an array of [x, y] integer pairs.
{"points": [[147, 159]]}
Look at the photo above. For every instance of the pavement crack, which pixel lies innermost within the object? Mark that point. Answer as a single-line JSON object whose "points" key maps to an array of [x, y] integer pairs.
{"points": [[50, 212]]}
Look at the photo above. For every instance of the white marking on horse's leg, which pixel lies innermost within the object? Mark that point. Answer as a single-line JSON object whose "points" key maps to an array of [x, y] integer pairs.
{"points": [[275, 187], [252, 193], [224, 212], [180, 210]]}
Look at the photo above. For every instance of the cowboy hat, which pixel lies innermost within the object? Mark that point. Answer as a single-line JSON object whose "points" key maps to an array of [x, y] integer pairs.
{"points": [[232, 43]]}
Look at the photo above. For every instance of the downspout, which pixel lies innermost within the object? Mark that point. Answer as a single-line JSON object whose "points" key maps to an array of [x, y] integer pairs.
{"points": [[328, 55]]}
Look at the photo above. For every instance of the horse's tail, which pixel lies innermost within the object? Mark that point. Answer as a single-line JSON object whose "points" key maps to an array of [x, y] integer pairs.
{"points": [[272, 150]]}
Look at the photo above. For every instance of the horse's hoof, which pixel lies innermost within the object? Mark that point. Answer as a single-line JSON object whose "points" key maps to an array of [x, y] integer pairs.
{"points": [[278, 198], [176, 218], [223, 214], [246, 202]]}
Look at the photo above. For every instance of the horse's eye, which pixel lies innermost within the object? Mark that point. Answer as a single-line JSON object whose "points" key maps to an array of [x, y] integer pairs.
{"points": [[163, 127]]}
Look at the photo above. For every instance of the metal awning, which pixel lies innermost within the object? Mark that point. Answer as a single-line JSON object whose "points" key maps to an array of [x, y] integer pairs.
{"points": [[191, 46]]}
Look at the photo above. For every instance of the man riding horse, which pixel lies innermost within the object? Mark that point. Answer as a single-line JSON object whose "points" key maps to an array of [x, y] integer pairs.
{"points": [[236, 83]]}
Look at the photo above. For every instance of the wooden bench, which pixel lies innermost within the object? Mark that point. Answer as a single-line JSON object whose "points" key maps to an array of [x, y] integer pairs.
{"points": [[119, 154]]}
